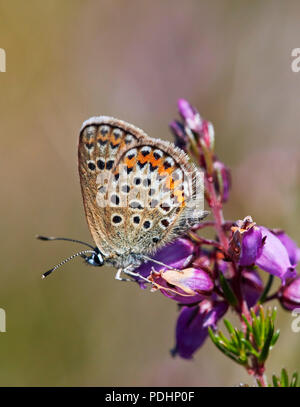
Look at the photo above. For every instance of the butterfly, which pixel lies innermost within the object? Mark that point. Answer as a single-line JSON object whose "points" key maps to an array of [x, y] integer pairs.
{"points": [[139, 194]]}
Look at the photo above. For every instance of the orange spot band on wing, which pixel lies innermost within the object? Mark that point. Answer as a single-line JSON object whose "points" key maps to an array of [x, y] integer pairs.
{"points": [[102, 137], [130, 162], [155, 162], [163, 171], [88, 140], [114, 141], [141, 159]]}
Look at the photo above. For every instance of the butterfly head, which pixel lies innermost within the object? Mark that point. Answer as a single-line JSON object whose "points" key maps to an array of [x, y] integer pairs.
{"points": [[92, 256], [95, 259]]}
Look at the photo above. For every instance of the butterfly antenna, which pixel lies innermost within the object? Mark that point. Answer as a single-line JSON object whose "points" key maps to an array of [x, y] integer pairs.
{"points": [[48, 238], [66, 260], [160, 263]]}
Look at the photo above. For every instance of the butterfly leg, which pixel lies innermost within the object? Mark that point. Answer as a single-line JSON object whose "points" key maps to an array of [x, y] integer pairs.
{"points": [[136, 275], [161, 263], [118, 276]]}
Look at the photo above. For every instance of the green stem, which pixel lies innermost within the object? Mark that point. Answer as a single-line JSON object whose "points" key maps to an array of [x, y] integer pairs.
{"points": [[266, 290]]}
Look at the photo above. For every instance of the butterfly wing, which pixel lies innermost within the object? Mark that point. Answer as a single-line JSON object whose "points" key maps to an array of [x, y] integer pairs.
{"points": [[101, 140], [160, 196], [139, 193]]}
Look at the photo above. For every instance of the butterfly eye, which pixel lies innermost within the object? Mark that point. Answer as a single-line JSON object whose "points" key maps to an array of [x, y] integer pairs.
{"points": [[97, 259]]}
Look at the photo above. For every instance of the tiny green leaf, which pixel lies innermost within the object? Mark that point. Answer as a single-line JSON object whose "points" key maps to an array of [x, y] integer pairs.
{"points": [[229, 326], [284, 380], [265, 350], [249, 346], [228, 293], [275, 381], [294, 380], [274, 314], [249, 327], [275, 337]]}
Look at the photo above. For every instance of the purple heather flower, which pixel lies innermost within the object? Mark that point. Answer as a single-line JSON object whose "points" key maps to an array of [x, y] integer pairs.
{"points": [[290, 245], [251, 244], [186, 286], [289, 295], [222, 180], [175, 255], [246, 242], [181, 139], [252, 287], [192, 326], [208, 134], [190, 115], [195, 123], [274, 257]]}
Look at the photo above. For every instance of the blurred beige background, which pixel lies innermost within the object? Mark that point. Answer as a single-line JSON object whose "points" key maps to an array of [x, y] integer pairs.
{"points": [[68, 60]]}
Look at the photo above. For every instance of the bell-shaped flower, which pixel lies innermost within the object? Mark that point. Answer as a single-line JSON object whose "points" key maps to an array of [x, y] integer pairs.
{"points": [[187, 286], [192, 326], [257, 245], [289, 295], [290, 245]]}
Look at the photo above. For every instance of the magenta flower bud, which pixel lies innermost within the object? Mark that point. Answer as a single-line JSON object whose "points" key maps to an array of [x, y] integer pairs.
{"points": [[290, 245], [190, 115], [208, 134], [177, 255], [222, 180], [200, 132], [181, 139], [289, 296], [192, 326]]}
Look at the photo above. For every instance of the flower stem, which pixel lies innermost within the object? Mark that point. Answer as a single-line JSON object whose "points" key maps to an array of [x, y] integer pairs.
{"points": [[202, 240], [263, 297], [217, 211], [261, 379]]}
